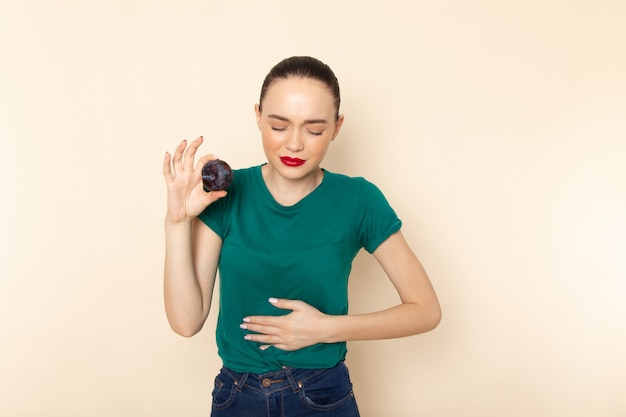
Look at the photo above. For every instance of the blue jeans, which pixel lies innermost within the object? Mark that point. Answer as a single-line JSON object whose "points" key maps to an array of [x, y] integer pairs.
{"points": [[289, 392]]}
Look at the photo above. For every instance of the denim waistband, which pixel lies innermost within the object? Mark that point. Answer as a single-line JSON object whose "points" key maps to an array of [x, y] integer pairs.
{"points": [[268, 382]]}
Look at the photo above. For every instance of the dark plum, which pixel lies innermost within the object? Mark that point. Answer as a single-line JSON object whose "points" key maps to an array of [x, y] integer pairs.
{"points": [[216, 175]]}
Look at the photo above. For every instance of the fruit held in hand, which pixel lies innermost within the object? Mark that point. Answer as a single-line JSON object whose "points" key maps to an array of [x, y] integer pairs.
{"points": [[216, 175]]}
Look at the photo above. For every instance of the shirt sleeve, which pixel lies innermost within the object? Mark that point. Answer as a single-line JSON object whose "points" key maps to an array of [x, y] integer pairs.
{"points": [[216, 215], [211, 216], [379, 220]]}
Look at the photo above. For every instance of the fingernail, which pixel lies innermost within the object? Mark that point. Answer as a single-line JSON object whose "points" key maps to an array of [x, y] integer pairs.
{"points": [[243, 326], [246, 320], [273, 300], [263, 347], [247, 337]]}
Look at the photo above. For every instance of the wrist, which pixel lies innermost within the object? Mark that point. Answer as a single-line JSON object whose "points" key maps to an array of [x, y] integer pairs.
{"points": [[332, 332], [176, 224]]}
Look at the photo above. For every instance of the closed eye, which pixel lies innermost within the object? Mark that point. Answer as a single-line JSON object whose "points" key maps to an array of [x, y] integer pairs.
{"points": [[316, 128]]}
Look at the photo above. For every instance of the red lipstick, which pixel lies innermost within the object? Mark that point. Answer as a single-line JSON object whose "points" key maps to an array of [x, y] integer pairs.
{"points": [[291, 162]]}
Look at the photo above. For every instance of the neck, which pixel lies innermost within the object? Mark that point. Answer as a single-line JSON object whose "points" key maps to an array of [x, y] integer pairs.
{"points": [[286, 191]]}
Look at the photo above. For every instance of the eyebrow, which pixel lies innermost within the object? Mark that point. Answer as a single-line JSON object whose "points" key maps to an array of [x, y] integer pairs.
{"points": [[308, 122]]}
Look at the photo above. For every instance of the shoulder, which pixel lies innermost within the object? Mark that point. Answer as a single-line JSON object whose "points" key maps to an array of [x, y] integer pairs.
{"points": [[336, 178], [350, 184], [243, 177], [247, 173]]}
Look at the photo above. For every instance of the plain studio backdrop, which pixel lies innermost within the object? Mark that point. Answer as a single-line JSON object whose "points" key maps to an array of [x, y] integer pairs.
{"points": [[497, 130]]}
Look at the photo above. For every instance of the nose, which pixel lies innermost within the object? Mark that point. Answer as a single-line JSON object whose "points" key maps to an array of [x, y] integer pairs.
{"points": [[294, 142]]}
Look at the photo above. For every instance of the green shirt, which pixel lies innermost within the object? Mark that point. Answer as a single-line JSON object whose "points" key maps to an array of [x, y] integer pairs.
{"points": [[300, 252]]}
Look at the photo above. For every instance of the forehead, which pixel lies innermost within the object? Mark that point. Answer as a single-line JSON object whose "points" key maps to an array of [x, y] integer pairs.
{"points": [[296, 94]]}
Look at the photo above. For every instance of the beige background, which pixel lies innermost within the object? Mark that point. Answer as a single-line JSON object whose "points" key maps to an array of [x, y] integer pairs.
{"points": [[496, 129]]}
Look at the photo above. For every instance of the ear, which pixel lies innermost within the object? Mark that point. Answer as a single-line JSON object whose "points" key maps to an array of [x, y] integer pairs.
{"points": [[257, 111], [338, 125]]}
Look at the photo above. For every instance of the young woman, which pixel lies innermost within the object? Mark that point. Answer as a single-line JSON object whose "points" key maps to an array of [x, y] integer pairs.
{"points": [[284, 236]]}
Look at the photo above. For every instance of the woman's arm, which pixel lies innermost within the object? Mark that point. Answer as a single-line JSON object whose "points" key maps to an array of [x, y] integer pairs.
{"points": [[191, 248], [192, 253], [418, 312]]}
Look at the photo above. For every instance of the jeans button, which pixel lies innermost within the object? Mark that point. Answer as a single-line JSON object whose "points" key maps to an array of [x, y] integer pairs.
{"points": [[266, 382]]}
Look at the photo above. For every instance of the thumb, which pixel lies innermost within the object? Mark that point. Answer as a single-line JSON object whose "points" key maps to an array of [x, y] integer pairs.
{"points": [[285, 304], [209, 197]]}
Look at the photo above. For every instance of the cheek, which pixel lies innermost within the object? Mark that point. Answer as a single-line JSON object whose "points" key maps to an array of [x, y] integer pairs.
{"points": [[270, 139], [319, 146]]}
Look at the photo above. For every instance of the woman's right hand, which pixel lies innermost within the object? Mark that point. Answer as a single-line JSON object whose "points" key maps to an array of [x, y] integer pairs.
{"points": [[186, 197]]}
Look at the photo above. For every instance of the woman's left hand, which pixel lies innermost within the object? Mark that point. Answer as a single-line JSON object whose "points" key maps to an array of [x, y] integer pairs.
{"points": [[304, 326]]}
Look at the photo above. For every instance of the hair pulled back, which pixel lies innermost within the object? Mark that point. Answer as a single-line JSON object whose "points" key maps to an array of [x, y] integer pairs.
{"points": [[303, 67]]}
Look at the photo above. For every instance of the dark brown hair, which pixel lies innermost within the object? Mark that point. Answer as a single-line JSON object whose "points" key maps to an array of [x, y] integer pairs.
{"points": [[303, 67]]}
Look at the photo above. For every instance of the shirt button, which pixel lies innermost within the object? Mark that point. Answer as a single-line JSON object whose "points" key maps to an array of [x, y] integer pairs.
{"points": [[266, 382]]}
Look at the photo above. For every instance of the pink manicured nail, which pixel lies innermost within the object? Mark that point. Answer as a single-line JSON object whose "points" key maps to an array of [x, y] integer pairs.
{"points": [[273, 300], [246, 320]]}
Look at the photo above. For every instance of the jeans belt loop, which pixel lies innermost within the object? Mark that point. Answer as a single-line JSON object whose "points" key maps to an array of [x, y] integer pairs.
{"points": [[241, 382], [295, 385]]}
